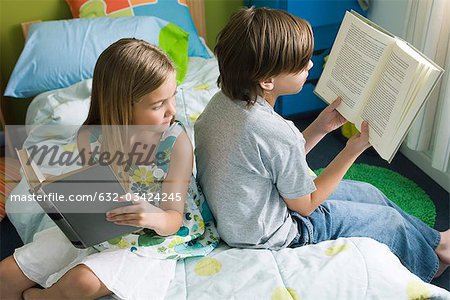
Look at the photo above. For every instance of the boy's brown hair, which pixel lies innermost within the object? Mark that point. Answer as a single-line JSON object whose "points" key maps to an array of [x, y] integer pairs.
{"points": [[258, 43]]}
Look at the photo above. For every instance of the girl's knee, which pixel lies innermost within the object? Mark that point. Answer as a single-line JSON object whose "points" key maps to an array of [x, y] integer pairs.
{"points": [[80, 281], [4, 272], [8, 269], [3, 267], [12, 281]]}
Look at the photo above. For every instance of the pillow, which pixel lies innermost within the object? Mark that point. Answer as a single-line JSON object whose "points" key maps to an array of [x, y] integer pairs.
{"points": [[9, 177], [58, 106], [174, 11], [58, 54]]}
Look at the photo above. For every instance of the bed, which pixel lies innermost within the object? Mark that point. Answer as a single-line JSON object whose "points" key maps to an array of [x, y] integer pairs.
{"points": [[347, 268]]}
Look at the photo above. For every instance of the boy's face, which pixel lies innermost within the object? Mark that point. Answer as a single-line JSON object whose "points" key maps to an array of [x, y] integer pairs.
{"points": [[288, 84]]}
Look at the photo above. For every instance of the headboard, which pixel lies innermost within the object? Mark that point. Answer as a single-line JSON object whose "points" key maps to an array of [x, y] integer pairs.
{"points": [[197, 9], [14, 110]]}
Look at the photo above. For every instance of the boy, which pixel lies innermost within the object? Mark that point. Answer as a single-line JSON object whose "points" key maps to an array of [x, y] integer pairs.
{"points": [[252, 163]]}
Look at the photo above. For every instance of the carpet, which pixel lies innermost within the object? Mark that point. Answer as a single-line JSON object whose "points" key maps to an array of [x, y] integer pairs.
{"points": [[399, 189]]}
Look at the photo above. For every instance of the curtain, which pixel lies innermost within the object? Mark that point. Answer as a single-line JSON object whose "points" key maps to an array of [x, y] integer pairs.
{"points": [[428, 29]]}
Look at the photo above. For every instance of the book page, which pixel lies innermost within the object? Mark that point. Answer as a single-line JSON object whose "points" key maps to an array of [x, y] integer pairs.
{"points": [[386, 101], [417, 83], [429, 77], [354, 59]]}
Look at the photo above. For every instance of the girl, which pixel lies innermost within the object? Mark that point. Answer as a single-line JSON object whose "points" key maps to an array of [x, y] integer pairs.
{"points": [[253, 169], [133, 84]]}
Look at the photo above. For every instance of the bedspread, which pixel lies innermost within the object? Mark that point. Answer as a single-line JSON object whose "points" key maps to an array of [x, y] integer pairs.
{"points": [[348, 268]]}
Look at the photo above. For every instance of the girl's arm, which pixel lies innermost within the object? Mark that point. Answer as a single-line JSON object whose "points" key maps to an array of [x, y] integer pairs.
{"points": [[176, 184], [328, 120], [328, 180], [168, 218]]}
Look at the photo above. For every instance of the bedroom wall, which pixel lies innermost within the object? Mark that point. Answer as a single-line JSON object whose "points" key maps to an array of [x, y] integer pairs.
{"points": [[217, 15], [14, 12], [390, 15]]}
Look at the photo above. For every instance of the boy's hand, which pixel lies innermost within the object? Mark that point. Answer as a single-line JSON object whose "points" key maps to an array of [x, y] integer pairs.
{"points": [[360, 141], [330, 119]]}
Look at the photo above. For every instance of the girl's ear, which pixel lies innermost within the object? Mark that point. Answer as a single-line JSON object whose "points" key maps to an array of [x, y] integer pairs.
{"points": [[267, 84]]}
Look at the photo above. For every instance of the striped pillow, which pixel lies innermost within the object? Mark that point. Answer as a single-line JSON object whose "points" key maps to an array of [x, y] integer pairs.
{"points": [[9, 178]]}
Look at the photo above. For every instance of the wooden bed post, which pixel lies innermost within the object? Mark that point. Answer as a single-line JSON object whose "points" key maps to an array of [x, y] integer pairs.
{"points": [[197, 9]]}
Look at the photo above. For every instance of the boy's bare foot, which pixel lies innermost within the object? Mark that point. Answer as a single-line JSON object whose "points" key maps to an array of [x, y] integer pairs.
{"points": [[443, 249]]}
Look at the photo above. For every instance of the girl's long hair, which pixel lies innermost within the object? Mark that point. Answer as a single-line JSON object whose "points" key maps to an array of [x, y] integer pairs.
{"points": [[125, 72]]}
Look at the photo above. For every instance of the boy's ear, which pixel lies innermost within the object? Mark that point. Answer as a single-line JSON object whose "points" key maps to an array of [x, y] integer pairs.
{"points": [[267, 84]]}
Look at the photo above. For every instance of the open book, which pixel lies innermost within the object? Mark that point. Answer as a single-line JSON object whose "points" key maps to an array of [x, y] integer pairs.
{"points": [[78, 201], [380, 78]]}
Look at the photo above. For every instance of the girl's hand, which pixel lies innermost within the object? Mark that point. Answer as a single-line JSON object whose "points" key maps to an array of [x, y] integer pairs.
{"points": [[139, 214], [360, 141], [330, 119]]}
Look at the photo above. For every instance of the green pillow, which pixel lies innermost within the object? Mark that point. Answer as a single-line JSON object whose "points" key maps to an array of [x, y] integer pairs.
{"points": [[174, 42]]}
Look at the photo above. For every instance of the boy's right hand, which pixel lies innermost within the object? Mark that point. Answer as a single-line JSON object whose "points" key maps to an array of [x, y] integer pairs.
{"points": [[360, 141]]}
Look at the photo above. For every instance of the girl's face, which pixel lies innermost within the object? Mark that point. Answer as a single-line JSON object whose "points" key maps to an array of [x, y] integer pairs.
{"points": [[157, 107]]}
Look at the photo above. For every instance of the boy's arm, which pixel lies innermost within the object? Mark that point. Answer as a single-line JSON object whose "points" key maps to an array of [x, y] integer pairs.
{"points": [[328, 120], [328, 180]]}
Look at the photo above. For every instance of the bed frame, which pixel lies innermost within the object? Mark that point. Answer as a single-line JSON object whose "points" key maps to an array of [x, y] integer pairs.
{"points": [[196, 7]]}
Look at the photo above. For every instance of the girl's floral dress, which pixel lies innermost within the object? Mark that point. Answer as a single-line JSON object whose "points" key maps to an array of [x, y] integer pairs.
{"points": [[198, 235]]}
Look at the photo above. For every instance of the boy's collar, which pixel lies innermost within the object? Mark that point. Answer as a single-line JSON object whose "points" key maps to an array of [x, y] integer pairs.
{"points": [[264, 102]]}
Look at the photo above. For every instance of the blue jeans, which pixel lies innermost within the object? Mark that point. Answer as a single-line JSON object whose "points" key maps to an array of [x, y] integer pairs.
{"points": [[358, 209]]}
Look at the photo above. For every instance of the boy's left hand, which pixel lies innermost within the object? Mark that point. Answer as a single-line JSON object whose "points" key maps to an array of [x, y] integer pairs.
{"points": [[330, 119]]}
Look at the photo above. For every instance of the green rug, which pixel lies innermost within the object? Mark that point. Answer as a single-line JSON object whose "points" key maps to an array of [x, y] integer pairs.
{"points": [[401, 190]]}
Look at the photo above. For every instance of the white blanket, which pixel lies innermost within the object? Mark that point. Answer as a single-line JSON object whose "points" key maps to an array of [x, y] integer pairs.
{"points": [[348, 268]]}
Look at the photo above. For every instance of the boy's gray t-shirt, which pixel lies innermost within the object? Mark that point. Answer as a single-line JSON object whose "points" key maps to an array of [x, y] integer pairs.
{"points": [[247, 160]]}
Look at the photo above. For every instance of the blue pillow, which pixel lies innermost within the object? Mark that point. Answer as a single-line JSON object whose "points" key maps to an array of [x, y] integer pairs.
{"points": [[58, 54], [174, 11]]}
